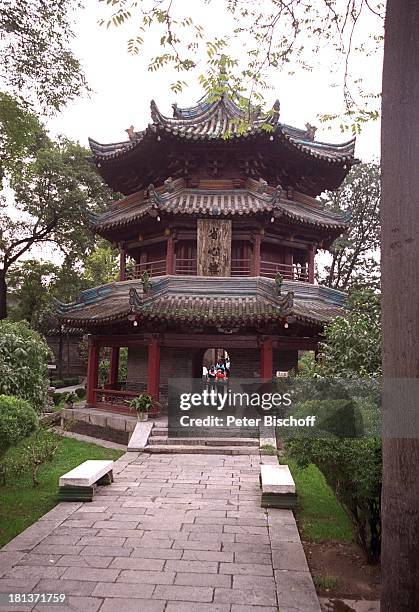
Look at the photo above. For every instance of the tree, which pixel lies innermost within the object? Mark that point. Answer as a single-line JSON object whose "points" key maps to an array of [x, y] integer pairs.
{"points": [[101, 266], [29, 291], [355, 257], [254, 41], [352, 344], [400, 300], [21, 133], [36, 59], [54, 193]]}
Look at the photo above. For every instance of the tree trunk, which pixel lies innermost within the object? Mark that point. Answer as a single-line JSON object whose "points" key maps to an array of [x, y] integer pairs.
{"points": [[3, 295], [400, 305]]}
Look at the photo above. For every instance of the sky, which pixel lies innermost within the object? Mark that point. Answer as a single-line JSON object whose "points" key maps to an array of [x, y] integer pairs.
{"points": [[123, 87]]}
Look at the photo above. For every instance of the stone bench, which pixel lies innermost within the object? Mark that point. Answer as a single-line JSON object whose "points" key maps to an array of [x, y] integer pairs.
{"points": [[80, 483], [278, 486]]}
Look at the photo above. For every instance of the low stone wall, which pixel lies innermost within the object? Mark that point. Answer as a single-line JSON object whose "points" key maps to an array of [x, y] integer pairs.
{"points": [[112, 427]]}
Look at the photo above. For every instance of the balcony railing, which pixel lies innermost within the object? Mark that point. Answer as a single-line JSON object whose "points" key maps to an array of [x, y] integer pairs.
{"points": [[240, 267], [185, 266], [288, 271], [154, 268]]}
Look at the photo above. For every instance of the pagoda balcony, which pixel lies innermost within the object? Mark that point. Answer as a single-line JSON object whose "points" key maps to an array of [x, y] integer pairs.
{"points": [[239, 267]]}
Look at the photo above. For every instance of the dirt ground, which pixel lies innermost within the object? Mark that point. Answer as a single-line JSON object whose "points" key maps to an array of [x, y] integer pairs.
{"points": [[346, 563]]}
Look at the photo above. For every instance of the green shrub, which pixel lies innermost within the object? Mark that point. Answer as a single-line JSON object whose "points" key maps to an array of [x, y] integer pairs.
{"points": [[24, 357], [80, 392], [57, 397], [69, 382], [17, 420], [352, 468], [57, 383]]}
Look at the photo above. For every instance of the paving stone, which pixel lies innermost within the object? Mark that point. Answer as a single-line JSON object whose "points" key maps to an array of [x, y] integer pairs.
{"points": [[264, 583], [115, 525], [101, 541], [106, 551], [147, 542], [146, 577], [91, 574], [284, 533], [202, 567], [81, 561], [252, 569], [156, 553], [250, 597], [57, 549], [295, 591], [183, 593], [196, 545], [119, 589], [250, 557], [34, 559], [73, 604], [30, 571], [183, 606], [207, 555], [194, 579], [245, 548], [69, 587], [138, 564], [289, 556], [132, 605], [240, 608]]}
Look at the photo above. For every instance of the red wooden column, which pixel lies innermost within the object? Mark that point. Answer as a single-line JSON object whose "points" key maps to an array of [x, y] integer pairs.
{"points": [[266, 359], [256, 254], [311, 253], [170, 254], [122, 263], [113, 367], [153, 367], [92, 370]]}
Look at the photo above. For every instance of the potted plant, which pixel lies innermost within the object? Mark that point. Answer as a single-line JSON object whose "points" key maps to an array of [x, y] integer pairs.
{"points": [[142, 405], [69, 399]]}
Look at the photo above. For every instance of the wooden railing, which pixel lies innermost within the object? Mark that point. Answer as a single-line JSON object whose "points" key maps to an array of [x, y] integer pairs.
{"points": [[288, 271], [240, 267], [154, 268], [185, 266], [108, 399]]}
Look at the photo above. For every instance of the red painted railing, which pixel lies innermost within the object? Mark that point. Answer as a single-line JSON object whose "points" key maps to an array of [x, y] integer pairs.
{"points": [[154, 268], [185, 266], [240, 267], [109, 399], [288, 271]]}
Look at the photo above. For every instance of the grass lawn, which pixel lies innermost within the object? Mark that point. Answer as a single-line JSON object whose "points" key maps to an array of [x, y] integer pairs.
{"points": [[21, 504], [320, 516]]}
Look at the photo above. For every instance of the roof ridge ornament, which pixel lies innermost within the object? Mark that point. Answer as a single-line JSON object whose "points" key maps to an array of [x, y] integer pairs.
{"points": [[310, 131], [131, 133], [262, 186]]}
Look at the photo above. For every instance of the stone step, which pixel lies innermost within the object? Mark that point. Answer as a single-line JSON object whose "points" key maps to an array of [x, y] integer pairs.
{"points": [[210, 441], [202, 449], [159, 431]]}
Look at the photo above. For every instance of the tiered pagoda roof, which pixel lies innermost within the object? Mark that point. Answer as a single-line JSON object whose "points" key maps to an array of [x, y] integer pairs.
{"points": [[204, 301], [168, 146], [175, 199]]}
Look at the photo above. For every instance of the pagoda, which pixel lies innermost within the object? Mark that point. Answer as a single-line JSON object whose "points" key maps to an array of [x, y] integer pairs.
{"points": [[217, 233]]}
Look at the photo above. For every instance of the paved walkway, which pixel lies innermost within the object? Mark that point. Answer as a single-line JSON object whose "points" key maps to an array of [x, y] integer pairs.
{"points": [[174, 533]]}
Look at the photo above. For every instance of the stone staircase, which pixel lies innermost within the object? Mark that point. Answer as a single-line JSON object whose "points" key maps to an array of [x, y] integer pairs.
{"points": [[159, 442]]}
